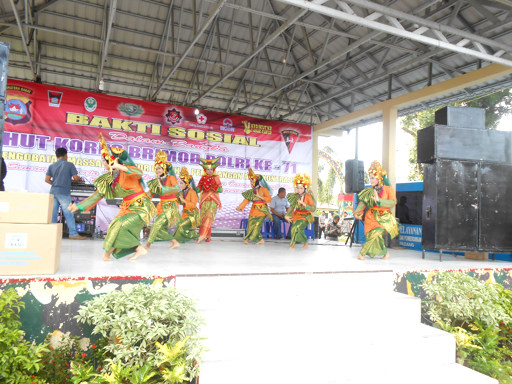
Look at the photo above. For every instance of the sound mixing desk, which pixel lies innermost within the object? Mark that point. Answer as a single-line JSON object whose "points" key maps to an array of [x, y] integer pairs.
{"points": [[85, 221]]}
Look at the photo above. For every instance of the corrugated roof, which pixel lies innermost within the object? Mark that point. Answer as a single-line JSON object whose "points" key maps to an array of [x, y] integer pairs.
{"points": [[305, 62]]}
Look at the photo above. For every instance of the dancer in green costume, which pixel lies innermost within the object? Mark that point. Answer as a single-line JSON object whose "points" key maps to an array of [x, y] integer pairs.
{"points": [[123, 180], [260, 196], [190, 215], [168, 211], [300, 213], [379, 199]]}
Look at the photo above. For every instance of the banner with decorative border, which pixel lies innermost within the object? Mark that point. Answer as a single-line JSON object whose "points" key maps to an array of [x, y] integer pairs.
{"points": [[41, 118]]}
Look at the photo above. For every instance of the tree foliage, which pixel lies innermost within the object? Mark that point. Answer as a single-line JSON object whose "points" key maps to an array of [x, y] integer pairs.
{"points": [[326, 193], [496, 106]]}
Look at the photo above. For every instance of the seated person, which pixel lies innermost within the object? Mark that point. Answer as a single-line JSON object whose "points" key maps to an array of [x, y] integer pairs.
{"points": [[333, 230]]}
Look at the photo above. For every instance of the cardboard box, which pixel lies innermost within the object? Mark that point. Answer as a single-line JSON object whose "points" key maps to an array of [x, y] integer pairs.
{"points": [[477, 255], [30, 249], [25, 207]]}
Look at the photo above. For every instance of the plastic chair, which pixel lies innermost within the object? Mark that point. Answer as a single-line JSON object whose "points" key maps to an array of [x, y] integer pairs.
{"points": [[283, 229], [243, 224], [266, 229], [310, 231]]}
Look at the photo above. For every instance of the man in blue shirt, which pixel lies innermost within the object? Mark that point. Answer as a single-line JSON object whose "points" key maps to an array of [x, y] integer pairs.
{"points": [[59, 176], [278, 207]]}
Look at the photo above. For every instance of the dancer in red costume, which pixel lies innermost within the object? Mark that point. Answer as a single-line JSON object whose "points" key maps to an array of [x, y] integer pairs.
{"points": [[210, 187]]}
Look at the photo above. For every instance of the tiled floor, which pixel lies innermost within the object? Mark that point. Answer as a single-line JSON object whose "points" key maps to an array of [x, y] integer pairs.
{"points": [[228, 255], [280, 316]]}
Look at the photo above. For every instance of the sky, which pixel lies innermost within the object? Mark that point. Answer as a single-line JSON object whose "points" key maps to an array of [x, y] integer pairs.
{"points": [[370, 146]]}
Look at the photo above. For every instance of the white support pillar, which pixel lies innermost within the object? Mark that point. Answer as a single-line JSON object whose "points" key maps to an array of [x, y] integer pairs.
{"points": [[314, 176], [389, 117]]}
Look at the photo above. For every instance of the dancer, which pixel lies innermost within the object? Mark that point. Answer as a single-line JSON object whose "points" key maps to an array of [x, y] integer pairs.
{"points": [[259, 194], [190, 214], [124, 180], [168, 212], [379, 198], [210, 187], [300, 213]]}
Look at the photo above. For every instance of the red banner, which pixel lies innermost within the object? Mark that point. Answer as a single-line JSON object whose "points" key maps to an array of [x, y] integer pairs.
{"points": [[41, 118]]}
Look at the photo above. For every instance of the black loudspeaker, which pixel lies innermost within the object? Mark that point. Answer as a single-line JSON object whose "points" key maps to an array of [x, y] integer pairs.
{"points": [[443, 142], [461, 117], [354, 176]]}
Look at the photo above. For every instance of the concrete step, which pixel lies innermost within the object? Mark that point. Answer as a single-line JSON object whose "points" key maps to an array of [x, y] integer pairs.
{"points": [[318, 329]]}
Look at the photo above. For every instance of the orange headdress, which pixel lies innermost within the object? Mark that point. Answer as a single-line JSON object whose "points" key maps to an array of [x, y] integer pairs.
{"points": [[253, 176], [302, 179], [161, 161], [209, 163], [379, 173], [113, 153]]}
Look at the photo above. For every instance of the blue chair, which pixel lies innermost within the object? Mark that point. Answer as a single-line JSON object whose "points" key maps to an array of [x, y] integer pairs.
{"points": [[283, 228], [310, 232], [243, 224], [266, 229]]}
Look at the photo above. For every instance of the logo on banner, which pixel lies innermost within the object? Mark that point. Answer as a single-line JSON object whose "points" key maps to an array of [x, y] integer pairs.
{"points": [[173, 116], [54, 98], [290, 137], [131, 109], [90, 104], [201, 119], [17, 111], [227, 125]]}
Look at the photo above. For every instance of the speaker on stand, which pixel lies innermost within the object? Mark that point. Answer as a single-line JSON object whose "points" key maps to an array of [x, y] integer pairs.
{"points": [[354, 183], [354, 176]]}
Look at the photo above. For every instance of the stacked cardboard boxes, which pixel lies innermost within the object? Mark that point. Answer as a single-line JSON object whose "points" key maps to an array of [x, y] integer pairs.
{"points": [[29, 243]]}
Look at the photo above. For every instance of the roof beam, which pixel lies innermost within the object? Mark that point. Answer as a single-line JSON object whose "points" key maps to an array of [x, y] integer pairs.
{"points": [[254, 53], [478, 76], [190, 47], [349, 48], [318, 8], [104, 52], [24, 41], [432, 25]]}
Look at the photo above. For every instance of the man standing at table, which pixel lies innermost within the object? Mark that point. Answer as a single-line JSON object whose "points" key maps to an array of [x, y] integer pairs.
{"points": [[59, 176], [278, 207]]}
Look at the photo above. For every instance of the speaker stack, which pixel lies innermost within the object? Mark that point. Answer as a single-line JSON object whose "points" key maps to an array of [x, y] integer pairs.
{"points": [[354, 176]]}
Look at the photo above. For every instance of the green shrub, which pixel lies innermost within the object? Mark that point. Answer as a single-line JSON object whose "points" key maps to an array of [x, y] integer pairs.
{"points": [[479, 315], [136, 319], [19, 360], [458, 299]]}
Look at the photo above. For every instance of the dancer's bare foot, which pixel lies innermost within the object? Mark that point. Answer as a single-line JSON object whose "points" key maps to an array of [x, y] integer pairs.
{"points": [[199, 239], [360, 257], [385, 256], [139, 251], [106, 255], [305, 245], [292, 247], [260, 242], [175, 244], [247, 242], [147, 246]]}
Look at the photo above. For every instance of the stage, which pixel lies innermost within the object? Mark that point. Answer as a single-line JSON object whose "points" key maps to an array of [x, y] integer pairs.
{"points": [[229, 256], [304, 316]]}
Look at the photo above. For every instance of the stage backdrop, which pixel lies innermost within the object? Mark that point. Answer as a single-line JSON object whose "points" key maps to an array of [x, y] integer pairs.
{"points": [[40, 118]]}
